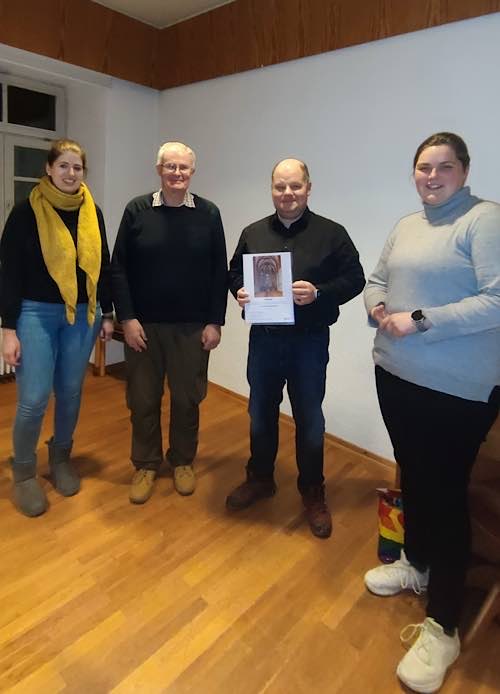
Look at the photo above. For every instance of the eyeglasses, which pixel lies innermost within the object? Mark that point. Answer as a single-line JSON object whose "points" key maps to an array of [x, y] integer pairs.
{"points": [[172, 168]]}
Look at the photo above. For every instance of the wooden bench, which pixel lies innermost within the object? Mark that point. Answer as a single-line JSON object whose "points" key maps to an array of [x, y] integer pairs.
{"points": [[100, 350]]}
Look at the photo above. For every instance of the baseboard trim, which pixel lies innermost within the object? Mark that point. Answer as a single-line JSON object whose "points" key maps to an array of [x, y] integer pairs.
{"points": [[342, 443], [118, 370]]}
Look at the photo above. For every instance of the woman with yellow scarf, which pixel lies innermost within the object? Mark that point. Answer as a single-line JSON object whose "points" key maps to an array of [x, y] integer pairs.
{"points": [[55, 298]]}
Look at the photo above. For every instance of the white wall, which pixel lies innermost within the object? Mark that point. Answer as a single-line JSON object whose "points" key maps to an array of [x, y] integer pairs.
{"points": [[356, 117], [131, 127], [117, 123], [86, 103]]}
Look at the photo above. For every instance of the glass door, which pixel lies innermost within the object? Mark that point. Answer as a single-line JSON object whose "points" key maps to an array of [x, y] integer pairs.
{"points": [[24, 165]]}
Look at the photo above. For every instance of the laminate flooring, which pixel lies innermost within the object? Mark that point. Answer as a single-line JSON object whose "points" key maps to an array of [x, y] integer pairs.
{"points": [[180, 596]]}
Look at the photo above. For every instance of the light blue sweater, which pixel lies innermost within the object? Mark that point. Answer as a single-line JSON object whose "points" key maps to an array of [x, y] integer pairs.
{"points": [[445, 261]]}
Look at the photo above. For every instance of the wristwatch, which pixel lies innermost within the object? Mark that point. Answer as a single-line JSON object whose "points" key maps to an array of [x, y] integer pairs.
{"points": [[419, 319]]}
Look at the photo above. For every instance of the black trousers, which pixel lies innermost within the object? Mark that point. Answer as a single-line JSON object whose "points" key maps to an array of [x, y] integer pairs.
{"points": [[436, 438]]}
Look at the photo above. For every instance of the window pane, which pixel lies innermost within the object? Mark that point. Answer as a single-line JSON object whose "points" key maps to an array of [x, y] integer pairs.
{"points": [[34, 109], [29, 162], [22, 189]]}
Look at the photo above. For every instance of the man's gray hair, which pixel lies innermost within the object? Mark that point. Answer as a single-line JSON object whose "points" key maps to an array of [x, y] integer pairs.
{"points": [[179, 145]]}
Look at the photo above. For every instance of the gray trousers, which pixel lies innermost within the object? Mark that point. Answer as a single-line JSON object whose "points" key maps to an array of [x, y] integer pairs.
{"points": [[174, 351]]}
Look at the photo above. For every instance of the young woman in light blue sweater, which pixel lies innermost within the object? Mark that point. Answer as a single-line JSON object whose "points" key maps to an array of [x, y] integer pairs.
{"points": [[434, 297]]}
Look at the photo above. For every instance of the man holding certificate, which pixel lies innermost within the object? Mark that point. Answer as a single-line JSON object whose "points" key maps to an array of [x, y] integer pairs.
{"points": [[290, 272]]}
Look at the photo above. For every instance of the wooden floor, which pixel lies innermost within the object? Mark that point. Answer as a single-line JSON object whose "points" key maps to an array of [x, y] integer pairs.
{"points": [[179, 596]]}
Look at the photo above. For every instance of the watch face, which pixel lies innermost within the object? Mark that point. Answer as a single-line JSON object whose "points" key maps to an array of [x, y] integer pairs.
{"points": [[417, 315]]}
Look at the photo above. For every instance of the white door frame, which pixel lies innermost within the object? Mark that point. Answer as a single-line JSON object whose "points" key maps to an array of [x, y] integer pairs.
{"points": [[3, 216], [10, 142]]}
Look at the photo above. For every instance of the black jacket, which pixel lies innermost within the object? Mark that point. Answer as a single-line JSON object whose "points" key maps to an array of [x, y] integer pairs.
{"points": [[322, 253], [169, 263]]}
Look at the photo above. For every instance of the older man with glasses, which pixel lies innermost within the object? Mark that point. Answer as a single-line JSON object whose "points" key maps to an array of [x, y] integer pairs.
{"points": [[170, 293]]}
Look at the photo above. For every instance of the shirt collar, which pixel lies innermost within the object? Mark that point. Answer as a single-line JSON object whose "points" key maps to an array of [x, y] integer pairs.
{"points": [[159, 200], [298, 225]]}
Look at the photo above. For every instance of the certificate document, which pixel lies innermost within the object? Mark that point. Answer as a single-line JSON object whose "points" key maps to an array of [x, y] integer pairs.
{"points": [[267, 277]]}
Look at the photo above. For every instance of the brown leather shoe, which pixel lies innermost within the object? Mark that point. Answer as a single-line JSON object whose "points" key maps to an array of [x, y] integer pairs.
{"points": [[250, 491], [317, 512]]}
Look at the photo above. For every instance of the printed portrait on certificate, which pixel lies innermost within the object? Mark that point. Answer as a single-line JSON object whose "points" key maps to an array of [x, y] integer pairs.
{"points": [[267, 275]]}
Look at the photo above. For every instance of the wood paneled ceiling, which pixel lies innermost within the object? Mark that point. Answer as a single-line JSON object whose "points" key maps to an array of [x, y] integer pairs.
{"points": [[233, 37], [162, 13]]}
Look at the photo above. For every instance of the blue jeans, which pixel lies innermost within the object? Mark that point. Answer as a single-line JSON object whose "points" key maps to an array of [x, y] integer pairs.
{"points": [[297, 357], [54, 357]]}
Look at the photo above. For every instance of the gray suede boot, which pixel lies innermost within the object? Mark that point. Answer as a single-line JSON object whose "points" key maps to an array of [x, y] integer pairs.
{"points": [[29, 496], [62, 470]]}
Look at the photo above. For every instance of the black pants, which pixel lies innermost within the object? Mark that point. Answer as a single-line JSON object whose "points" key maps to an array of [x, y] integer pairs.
{"points": [[436, 438]]}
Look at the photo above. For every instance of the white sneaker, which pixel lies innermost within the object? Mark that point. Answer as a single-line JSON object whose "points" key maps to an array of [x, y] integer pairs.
{"points": [[390, 579], [424, 667]]}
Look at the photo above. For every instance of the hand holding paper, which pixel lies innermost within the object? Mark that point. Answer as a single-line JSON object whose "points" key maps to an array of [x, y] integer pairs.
{"points": [[267, 296]]}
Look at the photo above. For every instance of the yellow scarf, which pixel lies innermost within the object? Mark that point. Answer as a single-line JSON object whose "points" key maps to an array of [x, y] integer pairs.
{"points": [[58, 247]]}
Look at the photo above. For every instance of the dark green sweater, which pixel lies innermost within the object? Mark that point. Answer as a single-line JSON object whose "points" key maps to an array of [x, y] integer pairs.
{"points": [[169, 263]]}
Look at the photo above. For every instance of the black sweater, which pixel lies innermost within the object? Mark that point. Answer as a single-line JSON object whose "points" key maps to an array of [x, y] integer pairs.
{"points": [[322, 253], [23, 273], [169, 263]]}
